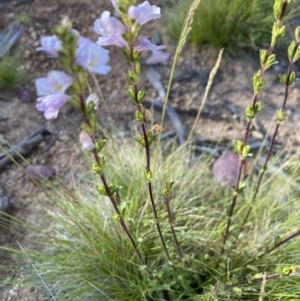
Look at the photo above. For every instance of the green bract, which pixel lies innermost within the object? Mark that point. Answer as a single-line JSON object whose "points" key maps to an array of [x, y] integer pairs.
{"points": [[258, 82]]}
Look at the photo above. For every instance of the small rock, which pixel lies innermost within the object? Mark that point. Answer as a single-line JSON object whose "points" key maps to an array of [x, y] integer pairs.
{"points": [[225, 169], [40, 172], [24, 94]]}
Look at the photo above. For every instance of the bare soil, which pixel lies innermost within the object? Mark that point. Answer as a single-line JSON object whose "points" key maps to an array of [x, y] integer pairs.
{"points": [[222, 118]]}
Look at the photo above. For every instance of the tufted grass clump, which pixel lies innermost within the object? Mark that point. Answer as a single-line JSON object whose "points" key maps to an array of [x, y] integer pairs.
{"points": [[232, 24], [84, 254], [10, 74]]}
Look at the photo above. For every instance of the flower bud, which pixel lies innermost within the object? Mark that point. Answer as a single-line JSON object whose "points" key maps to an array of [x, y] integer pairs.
{"points": [[94, 97]]}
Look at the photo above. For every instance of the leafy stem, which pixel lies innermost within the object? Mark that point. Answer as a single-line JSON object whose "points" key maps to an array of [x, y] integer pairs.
{"points": [[288, 80], [146, 145], [267, 59], [148, 169], [171, 217], [112, 198]]}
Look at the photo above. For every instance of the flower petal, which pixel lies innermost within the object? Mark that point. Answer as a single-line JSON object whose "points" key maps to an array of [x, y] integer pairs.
{"points": [[51, 104], [93, 58], [86, 141], [144, 13], [51, 45], [158, 57], [145, 44]]}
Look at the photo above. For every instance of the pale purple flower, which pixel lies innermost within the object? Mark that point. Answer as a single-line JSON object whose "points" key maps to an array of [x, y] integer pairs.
{"points": [[92, 57], [158, 57], [52, 91], [51, 104], [51, 45], [56, 82], [145, 44], [144, 13], [111, 30], [86, 141]]}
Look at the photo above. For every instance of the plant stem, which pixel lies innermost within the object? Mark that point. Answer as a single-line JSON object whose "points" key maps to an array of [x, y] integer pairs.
{"points": [[171, 219], [279, 244], [148, 169], [147, 152], [264, 168], [294, 235], [106, 187], [246, 135], [267, 277]]}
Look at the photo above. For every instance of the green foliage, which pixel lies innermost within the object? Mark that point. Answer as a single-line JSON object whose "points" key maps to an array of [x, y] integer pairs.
{"points": [[22, 18], [86, 254], [9, 73], [227, 23]]}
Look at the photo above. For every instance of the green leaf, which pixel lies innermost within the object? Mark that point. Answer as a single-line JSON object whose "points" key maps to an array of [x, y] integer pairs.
{"points": [[292, 50], [93, 122], [249, 113], [297, 55], [292, 78], [242, 186], [139, 117], [89, 109], [258, 82], [238, 146], [297, 33], [82, 76], [138, 68], [140, 140], [270, 61], [258, 107], [131, 93], [148, 175], [168, 186], [277, 34], [97, 169], [246, 151], [257, 276], [278, 5], [141, 96], [280, 115], [136, 55], [277, 8], [112, 190], [75, 102], [86, 128], [126, 52], [283, 78], [263, 55], [288, 81], [101, 190], [253, 268], [100, 144], [123, 208], [116, 218], [150, 137], [132, 77]]}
